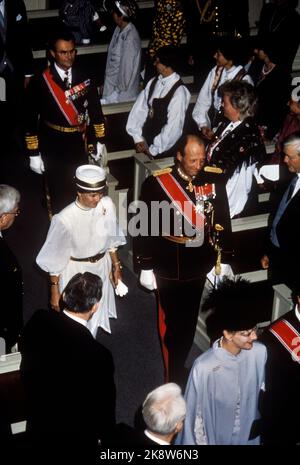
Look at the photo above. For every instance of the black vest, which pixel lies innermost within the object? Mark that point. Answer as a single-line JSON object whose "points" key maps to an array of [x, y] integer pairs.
{"points": [[158, 113]]}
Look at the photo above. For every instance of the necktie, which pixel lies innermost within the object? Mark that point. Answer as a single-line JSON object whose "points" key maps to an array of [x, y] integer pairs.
{"points": [[291, 189], [282, 206], [67, 80]]}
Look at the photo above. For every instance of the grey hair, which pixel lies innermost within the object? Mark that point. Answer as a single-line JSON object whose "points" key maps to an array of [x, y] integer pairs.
{"points": [[294, 140], [163, 408], [9, 198], [242, 97]]}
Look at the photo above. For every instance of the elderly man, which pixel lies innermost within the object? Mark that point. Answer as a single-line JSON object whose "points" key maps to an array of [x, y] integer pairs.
{"points": [[156, 120], [11, 315], [163, 413], [282, 255], [85, 236], [281, 399], [225, 382], [186, 210], [64, 120], [67, 375]]}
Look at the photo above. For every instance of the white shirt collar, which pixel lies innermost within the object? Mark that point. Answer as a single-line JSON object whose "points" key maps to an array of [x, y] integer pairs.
{"points": [[297, 313], [156, 439], [76, 318], [165, 80], [62, 73]]}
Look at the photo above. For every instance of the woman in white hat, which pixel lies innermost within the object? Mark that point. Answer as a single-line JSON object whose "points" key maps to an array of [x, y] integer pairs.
{"points": [[85, 236]]}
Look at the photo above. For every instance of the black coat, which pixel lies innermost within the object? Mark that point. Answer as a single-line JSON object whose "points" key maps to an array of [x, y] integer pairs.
{"points": [[11, 314], [68, 378], [273, 94], [17, 45], [243, 144], [281, 406], [287, 257]]}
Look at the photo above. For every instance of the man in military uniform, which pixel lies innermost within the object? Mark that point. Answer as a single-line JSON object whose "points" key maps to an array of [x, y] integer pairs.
{"points": [[65, 120], [177, 247]]}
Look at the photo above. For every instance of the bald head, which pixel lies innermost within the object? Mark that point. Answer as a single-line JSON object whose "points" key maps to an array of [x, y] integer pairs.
{"points": [[191, 154]]}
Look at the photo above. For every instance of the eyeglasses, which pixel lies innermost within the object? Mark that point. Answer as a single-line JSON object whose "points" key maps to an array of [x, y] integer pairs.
{"points": [[249, 332]]}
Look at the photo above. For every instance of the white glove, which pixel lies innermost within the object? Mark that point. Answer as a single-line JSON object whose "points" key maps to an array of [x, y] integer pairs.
{"points": [[36, 164], [147, 279], [100, 155], [121, 289]]}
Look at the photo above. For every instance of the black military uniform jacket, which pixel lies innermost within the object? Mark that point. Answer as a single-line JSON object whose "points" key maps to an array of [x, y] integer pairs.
{"points": [[15, 41], [42, 107], [177, 260], [243, 144], [281, 400], [11, 314]]}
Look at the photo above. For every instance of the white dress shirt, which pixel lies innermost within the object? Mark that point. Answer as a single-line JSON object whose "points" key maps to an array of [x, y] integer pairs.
{"points": [[203, 102], [62, 73], [76, 318], [178, 105]]}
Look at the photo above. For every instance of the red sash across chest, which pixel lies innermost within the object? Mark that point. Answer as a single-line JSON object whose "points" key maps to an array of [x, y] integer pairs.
{"points": [[66, 106], [181, 200], [288, 336]]}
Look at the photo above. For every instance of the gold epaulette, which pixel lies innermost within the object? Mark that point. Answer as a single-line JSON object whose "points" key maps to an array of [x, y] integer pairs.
{"points": [[213, 169], [32, 142], [163, 171], [99, 130]]}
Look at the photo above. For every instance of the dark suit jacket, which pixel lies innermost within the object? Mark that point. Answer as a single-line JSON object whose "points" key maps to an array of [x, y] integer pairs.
{"points": [[281, 400], [68, 378], [288, 233], [17, 45], [11, 314]]}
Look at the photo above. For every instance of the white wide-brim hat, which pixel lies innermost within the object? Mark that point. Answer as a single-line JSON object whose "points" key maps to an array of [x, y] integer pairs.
{"points": [[90, 178]]}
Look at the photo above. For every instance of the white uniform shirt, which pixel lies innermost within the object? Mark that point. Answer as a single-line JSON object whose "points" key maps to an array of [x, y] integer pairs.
{"points": [[178, 105], [203, 102]]}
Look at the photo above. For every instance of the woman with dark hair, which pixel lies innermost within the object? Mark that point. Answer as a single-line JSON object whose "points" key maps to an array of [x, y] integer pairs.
{"points": [[238, 145]]}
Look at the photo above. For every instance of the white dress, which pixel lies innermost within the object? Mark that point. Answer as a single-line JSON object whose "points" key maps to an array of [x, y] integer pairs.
{"points": [[123, 66], [77, 232]]}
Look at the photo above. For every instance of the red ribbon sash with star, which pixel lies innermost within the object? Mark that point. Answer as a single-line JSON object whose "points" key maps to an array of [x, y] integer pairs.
{"points": [[67, 107], [181, 200]]}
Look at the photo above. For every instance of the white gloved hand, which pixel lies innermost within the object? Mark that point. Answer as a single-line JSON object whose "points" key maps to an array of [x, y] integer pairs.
{"points": [[121, 289], [36, 164], [147, 279], [100, 155]]}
